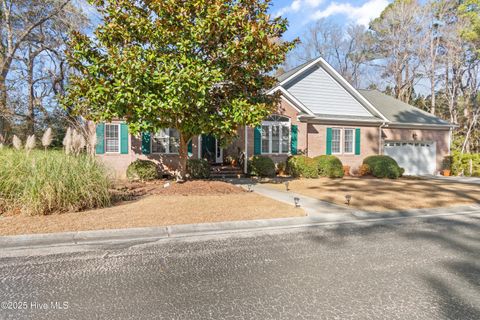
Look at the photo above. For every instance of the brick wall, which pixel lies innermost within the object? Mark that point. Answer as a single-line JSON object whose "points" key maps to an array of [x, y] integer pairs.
{"points": [[118, 163], [440, 137]]}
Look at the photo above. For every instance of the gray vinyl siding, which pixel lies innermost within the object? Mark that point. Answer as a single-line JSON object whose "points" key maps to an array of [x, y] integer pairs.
{"points": [[322, 94]]}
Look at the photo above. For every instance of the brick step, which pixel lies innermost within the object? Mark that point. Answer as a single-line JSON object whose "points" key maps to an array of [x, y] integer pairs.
{"points": [[227, 172], [226, 175], [225, 169]]}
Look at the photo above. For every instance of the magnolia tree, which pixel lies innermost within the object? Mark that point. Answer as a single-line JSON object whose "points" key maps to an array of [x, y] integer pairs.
{"points": [[200, 66]]}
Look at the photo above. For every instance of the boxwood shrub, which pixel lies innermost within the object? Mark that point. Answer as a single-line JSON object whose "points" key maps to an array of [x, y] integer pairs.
{"points": [[329, 166], [262, 166], [198, 168], [384, 167], [302, 166], [143, 170]]}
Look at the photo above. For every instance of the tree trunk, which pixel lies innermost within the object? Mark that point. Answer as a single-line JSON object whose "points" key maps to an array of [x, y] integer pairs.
{"points": [[31, 98], [183, 156], [3, 107]]}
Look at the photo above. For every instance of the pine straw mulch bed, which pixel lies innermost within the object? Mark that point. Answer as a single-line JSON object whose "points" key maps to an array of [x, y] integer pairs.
{"points": [[133, 190], [158, 203]]}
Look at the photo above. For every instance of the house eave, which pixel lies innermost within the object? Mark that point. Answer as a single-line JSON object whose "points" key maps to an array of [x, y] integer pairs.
{"points": [[397, 125], [339, 121]]}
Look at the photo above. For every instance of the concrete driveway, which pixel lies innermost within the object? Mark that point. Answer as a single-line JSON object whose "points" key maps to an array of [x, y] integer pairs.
{"points": [[468, 180]]}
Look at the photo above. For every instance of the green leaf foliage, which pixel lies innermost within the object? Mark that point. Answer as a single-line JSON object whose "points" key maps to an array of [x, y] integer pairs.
{"points": [[262, 166], [467, 164], [198, 168], [302, 166], [329, 166], [383, 167], [143, 170], [201, 66]]}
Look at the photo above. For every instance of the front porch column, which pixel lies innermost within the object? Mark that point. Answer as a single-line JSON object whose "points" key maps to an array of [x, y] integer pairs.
{"points": [[199, 146], [245, 164]]}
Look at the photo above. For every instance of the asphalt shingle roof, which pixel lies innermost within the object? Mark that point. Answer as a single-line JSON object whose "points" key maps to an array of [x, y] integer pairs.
{"points": [[400, 112], [393, 109]]}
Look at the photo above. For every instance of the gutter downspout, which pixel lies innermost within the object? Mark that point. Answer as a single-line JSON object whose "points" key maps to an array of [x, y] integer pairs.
{"points": [[450, 141], [380, 143]]}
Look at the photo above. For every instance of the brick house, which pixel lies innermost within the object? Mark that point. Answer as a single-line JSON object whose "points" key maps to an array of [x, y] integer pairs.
{"points": [[320, 113]]}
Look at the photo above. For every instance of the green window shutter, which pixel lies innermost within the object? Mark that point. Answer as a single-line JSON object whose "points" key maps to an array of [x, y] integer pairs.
{"points": [[329, 140], [190, 148], [357, 141], [257, 140], [100, 147], [123, 138], [294, 139], [146, 142]]}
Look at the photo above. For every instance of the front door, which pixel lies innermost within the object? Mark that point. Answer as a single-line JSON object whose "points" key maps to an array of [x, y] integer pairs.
{"points": [[211, 149], [218, 152]]}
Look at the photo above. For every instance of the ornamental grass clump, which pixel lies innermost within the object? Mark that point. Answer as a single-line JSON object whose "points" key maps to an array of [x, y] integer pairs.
{"points": [[47, 138], [45, 182], [16, 142], [30, 143]]}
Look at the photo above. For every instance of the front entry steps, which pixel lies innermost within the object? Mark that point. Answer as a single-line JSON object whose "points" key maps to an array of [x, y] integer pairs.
{"points": [[219, 171]]}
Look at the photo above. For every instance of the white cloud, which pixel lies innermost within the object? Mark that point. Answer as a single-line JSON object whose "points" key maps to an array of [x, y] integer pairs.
{"points": [[360, 15], [298, 5]]}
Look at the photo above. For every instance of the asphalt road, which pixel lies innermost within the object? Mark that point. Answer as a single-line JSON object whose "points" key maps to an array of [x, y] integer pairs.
{"points": [[421, 269]]}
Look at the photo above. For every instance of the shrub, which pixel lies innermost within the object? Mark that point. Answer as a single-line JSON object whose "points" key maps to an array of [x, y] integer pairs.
{"points": [[302, 166], [198, 168], [44, 182], [383, 167], [262, 166], [461, 164], [143, 170], [364, 170], [329, 166]]}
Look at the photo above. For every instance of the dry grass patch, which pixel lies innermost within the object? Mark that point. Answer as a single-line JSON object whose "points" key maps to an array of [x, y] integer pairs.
{"points": [[207, 201], [377, 195]]}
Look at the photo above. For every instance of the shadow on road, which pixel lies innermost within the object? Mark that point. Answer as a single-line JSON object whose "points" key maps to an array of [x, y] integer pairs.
{"points": [[455, 278]]}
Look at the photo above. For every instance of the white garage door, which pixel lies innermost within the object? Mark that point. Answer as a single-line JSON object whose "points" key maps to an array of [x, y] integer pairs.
{"points": [[416, 157]]}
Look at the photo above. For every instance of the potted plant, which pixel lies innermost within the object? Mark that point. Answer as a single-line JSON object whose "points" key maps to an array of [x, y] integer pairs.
{"points": [[447, 166]]}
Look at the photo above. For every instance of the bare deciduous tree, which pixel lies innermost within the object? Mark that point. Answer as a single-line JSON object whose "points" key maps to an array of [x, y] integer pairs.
{"points": [[342, 48]]}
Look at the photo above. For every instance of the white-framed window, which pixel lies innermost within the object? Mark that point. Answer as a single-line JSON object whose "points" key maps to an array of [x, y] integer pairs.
{"points": [[343, 140], [348, 140], [276, 135], [112, 138], [336, 140], [165, 141]]}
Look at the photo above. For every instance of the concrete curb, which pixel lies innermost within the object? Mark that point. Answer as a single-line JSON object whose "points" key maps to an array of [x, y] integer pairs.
{"points": [[230, 227]]}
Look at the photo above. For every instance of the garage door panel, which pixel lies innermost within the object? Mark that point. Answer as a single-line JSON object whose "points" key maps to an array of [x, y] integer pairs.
{"points": [[416, 157]]}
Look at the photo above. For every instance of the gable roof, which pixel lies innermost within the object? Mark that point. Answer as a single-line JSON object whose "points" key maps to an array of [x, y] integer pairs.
{"points": [[380, 107], [288, 73], [326, 98], [401, 113]]}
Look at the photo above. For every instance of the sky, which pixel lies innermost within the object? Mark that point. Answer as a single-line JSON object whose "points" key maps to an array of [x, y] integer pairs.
{"points": [[302, 12]]}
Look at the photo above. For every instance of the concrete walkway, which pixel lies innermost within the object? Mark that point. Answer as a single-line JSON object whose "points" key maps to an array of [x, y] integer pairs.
{"points": [[312, 206]]}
